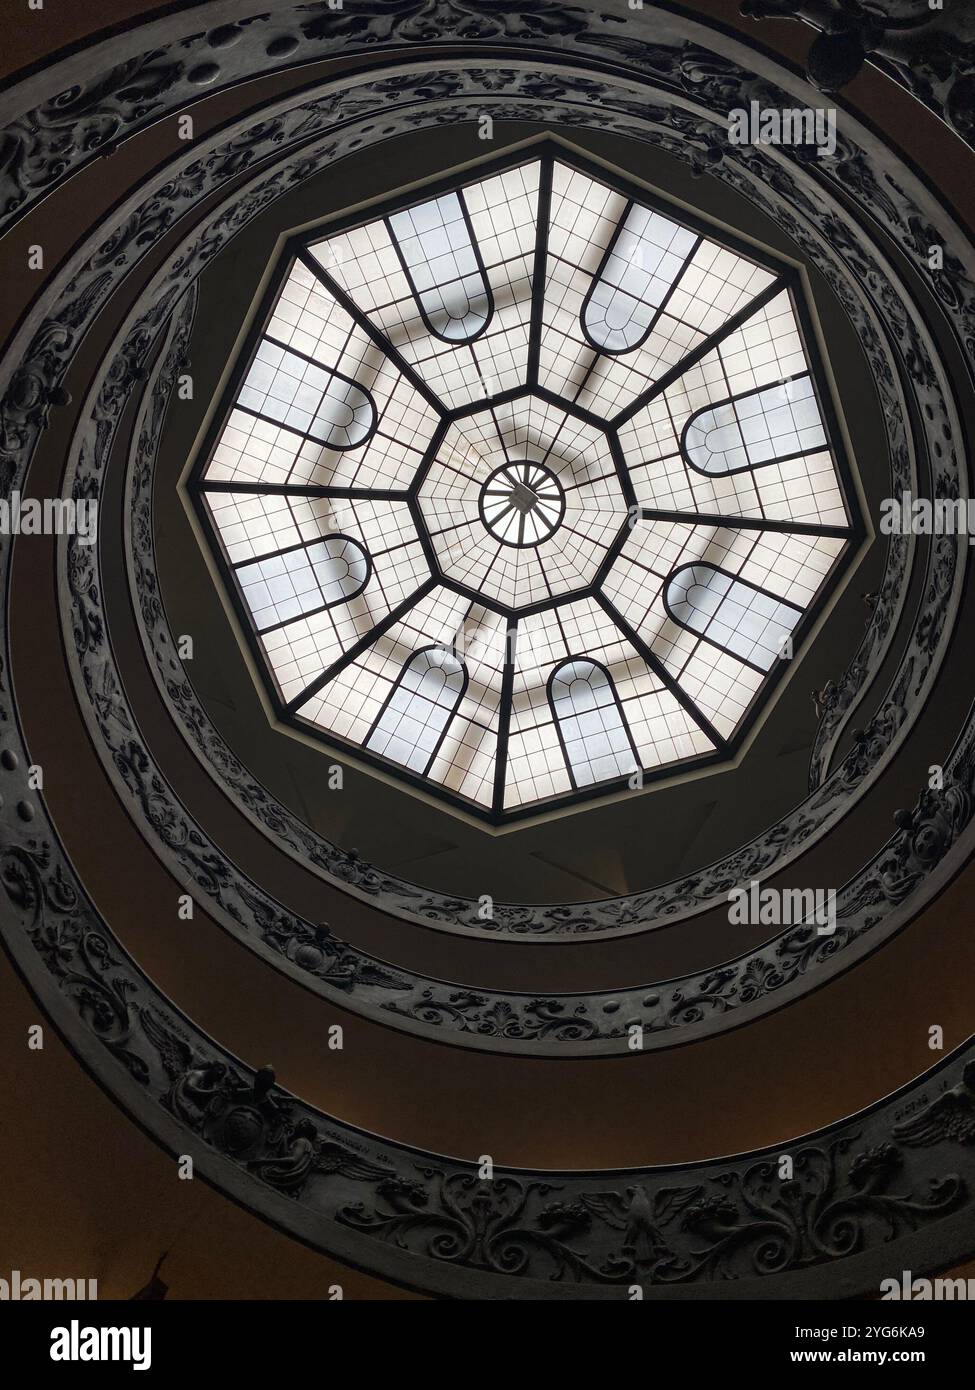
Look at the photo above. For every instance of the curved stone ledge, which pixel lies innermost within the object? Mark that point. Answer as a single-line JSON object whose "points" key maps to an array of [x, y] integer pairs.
{"points": [[929, 51]]}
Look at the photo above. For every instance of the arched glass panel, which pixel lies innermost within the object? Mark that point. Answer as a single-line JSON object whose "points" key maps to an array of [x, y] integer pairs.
{"points": [[303, 579], [436, 246], [766, 426], [644, 261], [589, 718], [744, 620], [414, 719], [323, 405]]}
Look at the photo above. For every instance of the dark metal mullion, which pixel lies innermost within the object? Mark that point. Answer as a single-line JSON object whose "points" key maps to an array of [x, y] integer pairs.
{"points": [[435, 752], [284, 550], [565, 640], [323, 607], [451, 467], [363, 644], [600, 477], [589, 371], [501, 440], [613, 552], [763, 463], [584, 341], [623, 718], [378, 338], [623, 475], [567, 761], [586, 540], [746, 523], [446, 530], [423, 535], [661, 672], [460, 628], [527, 610], [780, 283], [306, 490], [312, 361], [555, 439], [512, 393], [540, 269], [292, 429], [541, 565], [504, 717], [482, 380], [734, 396]]}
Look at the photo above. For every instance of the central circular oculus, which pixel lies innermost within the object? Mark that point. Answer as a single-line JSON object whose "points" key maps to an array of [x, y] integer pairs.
{"points": [[522, 503]]}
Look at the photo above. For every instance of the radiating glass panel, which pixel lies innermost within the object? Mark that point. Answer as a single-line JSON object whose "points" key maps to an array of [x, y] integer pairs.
{"points": [[645, 260], [759, 427], [434, 241], [746, 621], [587, 711], [303, 579], [321, 404], [422, 703]]}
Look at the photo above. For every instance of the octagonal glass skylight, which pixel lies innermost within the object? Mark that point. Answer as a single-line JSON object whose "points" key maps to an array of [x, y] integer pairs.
{"points": [[527, 486]]}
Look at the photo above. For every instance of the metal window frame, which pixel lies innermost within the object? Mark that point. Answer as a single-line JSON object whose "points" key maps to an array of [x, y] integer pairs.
{"points": [[787, 276]]}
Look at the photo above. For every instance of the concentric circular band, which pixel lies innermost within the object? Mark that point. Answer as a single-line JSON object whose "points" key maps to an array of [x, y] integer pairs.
{"points": [[522, 503]]}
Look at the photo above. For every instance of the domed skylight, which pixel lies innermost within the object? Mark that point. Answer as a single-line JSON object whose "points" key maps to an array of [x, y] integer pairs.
{"points": [[527, 486]]}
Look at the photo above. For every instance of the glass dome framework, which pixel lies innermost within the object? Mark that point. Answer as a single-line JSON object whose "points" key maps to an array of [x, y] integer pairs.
{"points": [[526, 485]]}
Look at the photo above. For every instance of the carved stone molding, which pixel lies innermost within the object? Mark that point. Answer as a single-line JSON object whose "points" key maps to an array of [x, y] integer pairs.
{"points": [[889, 1189], [928, 50]]}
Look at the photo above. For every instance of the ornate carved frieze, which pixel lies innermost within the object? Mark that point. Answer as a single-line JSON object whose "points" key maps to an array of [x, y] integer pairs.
{"points": [[863, 1187], [929, 49]]}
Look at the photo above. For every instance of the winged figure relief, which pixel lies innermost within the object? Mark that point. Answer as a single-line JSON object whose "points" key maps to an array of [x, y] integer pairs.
{"points": [[951, 1116], [640, 1217]]}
